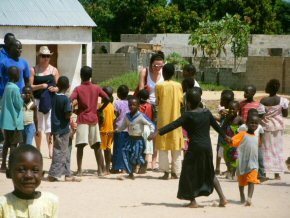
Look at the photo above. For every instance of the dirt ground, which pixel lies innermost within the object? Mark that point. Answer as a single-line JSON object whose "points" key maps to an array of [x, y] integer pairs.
{"points": [[147, 196]]}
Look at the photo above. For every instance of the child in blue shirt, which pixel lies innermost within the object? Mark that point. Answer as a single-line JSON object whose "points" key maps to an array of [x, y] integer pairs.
{"points": [[60, 128], [11, 116]]}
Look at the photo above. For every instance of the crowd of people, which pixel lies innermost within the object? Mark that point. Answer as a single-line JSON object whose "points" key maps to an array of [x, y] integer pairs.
{"points": [[162, 117]]}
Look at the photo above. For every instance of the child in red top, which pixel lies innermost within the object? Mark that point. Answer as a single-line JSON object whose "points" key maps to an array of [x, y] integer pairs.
{"points": [[147, 109], [248, 103]]}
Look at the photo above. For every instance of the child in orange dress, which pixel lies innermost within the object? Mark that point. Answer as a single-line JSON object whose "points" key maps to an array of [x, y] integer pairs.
{"points": [[247, 143], [107, 128]]}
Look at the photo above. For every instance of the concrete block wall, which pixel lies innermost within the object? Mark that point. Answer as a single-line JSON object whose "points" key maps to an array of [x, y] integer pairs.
{"points": [[287, 75], [222, 76], [261, 69], [107, 66]]}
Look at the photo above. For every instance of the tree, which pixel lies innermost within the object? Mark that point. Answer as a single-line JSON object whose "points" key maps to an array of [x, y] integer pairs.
{"points": [[282, 9], [169, 19], [212, 36], [259, 13]]}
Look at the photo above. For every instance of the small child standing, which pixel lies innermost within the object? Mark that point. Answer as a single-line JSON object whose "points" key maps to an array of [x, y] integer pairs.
{"points": [[258, 132], [11, 116], [247, 143], [107, 127], [25, 168], [135, 145], [121, 109], [60, 121], [147, 109], [230, 125], [226, 97], [30, 116], [248, 103]]}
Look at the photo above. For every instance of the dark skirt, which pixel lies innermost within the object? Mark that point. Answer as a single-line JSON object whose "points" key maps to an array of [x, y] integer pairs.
{"points": [[119, 143], [133, 153], [197, 175]]}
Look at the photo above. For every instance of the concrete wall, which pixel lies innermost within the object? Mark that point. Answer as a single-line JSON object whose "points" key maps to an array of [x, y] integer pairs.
{"points": [[261, 69], [70, 62], [107, 66], [222, 76], [286, 76]]}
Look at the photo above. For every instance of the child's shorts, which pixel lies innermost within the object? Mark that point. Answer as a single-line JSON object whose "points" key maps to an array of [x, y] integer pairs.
{"points": [[88, 134], [251, 177], [12, 137], [107, 140]]}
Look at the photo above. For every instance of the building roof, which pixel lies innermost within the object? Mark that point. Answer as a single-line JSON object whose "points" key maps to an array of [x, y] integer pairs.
{"points": [[44, 13]]}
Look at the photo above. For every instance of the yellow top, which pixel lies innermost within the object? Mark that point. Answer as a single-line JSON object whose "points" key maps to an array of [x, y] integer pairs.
{"points": [[169, 98], [44, 206], [109, 116]]}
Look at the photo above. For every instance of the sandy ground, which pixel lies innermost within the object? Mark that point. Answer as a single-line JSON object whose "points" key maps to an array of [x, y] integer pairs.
{"points": [[149, 197]]}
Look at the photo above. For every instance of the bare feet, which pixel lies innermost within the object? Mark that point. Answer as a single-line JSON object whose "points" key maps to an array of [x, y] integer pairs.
{"points": [[79, 173], [193, 204], [248, 203], [174, 176], [52, 179], [223, 202], [72, 179], [131, 176], [165, 176], [243, 200]]}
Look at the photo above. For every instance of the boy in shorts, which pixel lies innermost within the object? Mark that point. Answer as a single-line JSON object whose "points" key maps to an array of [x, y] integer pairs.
{"points": [[88, 132], [11, 116]]}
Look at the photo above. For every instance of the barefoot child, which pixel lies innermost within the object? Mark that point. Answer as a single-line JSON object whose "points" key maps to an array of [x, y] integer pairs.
{"points": [[121, 109], [25, 168], [258, 132], [147, 109], [226, 97], [88, 132], [135, 145], [247, 143], [197, 174], [11, 116], [107, 127], [60, 121], [231, 124], [30, 116]]}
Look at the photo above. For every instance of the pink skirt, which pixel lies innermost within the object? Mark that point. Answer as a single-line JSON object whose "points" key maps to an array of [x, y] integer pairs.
{"points": [[272, 149]]}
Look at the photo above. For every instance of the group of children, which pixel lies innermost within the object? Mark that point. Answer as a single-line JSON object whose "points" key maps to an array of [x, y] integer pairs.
{"points": [[125, 125]]}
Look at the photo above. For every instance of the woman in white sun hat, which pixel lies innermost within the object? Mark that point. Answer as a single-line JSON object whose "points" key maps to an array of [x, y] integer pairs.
{"points": [[43, 79]]}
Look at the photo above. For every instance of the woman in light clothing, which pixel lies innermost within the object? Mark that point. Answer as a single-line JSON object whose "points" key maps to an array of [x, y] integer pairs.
{"points": [[43, 77], [276, 108]]}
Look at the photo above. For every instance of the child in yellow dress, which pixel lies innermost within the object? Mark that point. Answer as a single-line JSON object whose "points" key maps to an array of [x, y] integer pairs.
{"points": [[247, 143], [107, 128], [25, 169]]}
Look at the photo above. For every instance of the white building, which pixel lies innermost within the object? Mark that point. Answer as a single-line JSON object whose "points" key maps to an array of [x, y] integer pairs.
{"points": [[63, 25]]}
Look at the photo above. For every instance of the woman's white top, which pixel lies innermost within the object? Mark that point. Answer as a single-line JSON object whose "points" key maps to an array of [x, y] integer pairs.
{"points": [[151, 84]]}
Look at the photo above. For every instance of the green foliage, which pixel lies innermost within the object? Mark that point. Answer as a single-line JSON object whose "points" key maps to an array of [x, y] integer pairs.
{"points": [[115, 17], [259, 13], [176, 59], [282, 10], [212, 36], [130, 79]]}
